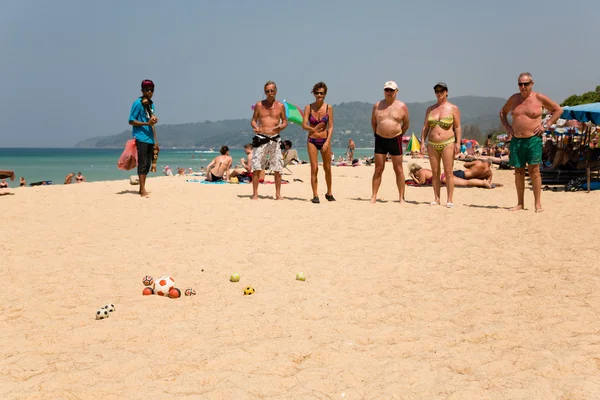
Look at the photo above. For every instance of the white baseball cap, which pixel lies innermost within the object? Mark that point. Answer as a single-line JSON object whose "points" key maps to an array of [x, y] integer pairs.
{"points": [[390, 85]]}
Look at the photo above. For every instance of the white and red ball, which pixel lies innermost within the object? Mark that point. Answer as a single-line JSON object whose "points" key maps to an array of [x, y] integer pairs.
{"points": [[190, 292], [148, 280], [163, 285]]}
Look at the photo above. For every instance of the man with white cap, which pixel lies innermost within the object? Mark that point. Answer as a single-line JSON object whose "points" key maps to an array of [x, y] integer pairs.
{"points": [[390, 120]]}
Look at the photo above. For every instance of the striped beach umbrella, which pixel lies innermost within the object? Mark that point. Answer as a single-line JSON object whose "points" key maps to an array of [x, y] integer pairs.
{"points": [[413, 144]]}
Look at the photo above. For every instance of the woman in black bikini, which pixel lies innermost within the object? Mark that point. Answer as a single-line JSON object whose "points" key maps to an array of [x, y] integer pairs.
{"points": [[318, 121], [218, 169]]}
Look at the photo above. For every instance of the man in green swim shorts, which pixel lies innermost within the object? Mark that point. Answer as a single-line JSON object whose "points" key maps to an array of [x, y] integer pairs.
{"points": [[525, 135]]}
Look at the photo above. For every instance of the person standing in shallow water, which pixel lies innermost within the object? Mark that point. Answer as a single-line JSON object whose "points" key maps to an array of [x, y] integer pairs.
{"points": [[525, 136], [318, 122], [142, 122], [389, 120]]}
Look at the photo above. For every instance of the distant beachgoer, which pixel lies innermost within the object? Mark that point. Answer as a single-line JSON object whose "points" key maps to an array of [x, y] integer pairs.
{"points": [[351, 148], [488, 144], [79, 178], [389, 120], [69, 178], [290, 156], [4, 173], [246, 171], [218, 169], [142, 131], [268, 121], [22, 182], [167, 171], [442, 128], [525, 135], [3, 184], [318, 122]]}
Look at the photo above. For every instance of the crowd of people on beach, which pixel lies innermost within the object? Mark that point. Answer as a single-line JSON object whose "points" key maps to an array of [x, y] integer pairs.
{"points": [[523, 147]]}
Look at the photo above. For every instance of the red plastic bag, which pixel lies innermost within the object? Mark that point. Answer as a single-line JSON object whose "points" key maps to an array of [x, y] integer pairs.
{"points": [[128, 159]]}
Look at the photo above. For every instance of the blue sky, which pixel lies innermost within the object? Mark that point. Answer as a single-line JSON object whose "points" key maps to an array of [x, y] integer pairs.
{"points": [[71, 68]]}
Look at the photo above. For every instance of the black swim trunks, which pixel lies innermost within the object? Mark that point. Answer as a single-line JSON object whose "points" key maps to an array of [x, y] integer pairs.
{"points": [[459, 174], [145, 154], [392, 146]]}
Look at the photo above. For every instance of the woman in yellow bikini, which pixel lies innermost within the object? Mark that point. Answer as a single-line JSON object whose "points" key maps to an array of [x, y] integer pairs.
{"points": [[442, 130]]}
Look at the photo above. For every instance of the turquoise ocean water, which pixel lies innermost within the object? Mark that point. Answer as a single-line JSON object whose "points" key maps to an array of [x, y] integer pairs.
{"points": [[101, 164]]}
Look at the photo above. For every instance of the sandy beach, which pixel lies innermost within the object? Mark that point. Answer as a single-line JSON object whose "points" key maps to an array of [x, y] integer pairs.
{"points": [[400, 301]]}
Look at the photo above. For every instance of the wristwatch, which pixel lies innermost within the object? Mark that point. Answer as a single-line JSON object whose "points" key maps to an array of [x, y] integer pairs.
{"points": [[545, 126]]}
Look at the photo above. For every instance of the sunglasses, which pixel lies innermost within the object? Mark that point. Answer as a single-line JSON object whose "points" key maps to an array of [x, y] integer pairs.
{"points": [[270, 91], [524, 83], [388, 90], [319, 93], [148, 90], [439, 91]]}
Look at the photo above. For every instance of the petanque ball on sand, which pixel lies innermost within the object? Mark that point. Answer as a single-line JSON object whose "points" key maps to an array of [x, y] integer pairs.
{"points": [[248, 291], [174, 293], [235, 277], [148, 280], [147, 291], [300, 276], [102, 313]]}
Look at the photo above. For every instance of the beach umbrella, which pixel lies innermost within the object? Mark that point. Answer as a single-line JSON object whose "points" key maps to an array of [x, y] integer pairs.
{"points": [[413, 144], [583, 113], [293, 113]]}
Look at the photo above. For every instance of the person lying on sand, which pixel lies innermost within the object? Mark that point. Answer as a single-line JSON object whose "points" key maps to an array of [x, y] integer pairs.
{"points": [[424, 176]]}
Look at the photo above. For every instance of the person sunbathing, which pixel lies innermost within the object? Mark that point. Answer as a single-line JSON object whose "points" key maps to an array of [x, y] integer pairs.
{"points": [[423, 176], [246, 171], [218, 169], [477, 169], [420, 175], [290, 156], [3, 184], [565, 159]]}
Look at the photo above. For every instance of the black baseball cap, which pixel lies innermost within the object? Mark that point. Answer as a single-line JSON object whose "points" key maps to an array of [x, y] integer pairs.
{"points": [[442, 85]]}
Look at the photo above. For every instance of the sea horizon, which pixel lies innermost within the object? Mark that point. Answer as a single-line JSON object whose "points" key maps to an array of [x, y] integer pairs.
{"points": [[53, 164]]}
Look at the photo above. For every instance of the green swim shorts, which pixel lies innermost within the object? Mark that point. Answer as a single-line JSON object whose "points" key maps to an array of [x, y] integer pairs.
{"points": [[525, 151]]}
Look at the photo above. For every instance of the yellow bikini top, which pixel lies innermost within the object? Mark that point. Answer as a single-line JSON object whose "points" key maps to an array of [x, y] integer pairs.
{"points": [[444, 123]]}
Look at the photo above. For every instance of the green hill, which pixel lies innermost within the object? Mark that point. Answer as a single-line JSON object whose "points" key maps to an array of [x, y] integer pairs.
{"points": [[353, 119]]}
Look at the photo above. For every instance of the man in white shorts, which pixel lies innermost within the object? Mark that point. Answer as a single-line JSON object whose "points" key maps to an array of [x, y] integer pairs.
{"points": [[268, 121]]}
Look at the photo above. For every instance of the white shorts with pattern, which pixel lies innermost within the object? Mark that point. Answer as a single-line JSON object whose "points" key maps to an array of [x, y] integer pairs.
{"points": [[268, 155]]}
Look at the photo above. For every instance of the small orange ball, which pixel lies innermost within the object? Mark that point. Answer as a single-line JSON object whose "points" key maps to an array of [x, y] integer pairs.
{"points": [[147, 291], [174, 293]]}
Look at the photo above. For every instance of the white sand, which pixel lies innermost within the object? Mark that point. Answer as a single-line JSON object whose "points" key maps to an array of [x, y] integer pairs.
{"points": [[400, 301]]}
